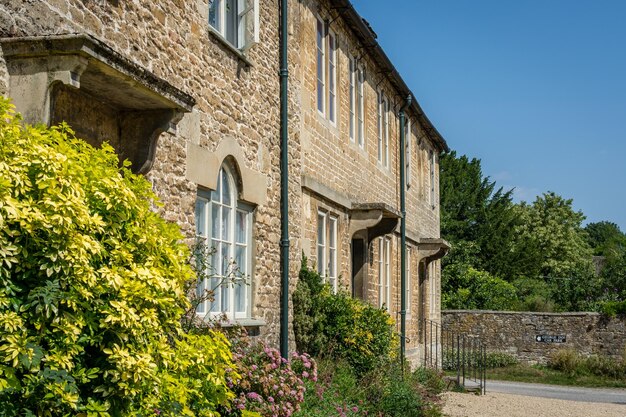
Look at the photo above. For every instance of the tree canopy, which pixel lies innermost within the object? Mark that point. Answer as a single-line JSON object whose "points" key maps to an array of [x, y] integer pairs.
{"points": [[541, 248]]}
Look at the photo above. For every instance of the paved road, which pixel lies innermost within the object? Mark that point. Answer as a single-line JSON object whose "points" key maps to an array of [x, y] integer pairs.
{"points": [[595, 395]]}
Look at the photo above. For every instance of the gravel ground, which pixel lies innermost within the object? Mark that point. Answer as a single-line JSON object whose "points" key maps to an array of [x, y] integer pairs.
{"points": [[495, 404]]}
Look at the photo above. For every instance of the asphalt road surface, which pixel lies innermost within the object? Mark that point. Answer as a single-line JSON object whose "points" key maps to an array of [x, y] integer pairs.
{"points": [[595, 395]]}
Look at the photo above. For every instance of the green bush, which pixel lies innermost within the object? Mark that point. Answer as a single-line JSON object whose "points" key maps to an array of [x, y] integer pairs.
{"points": [[491, 359], [339, 326], [384, 391], [92, 288], [571, 363], [336, 392], [613, 308], [465, 287], [565, 360], [308, 315]]}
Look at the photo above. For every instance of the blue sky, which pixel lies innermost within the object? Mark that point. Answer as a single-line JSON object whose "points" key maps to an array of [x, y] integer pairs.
{"points": [[535, 89]]}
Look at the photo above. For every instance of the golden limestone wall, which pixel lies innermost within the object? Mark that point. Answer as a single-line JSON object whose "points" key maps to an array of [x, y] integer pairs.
{"points": [[237, 114]]}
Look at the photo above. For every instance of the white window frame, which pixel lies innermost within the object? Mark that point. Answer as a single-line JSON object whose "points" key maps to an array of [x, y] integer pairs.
{"points": [[360, 106], [384, 273], [247, 18], [408, 145], [326, 66], [327, 248], [332, 76], [408, 281], [432, 290], [379, 124], [232, 277], [352, 94], [382, 120], [386, 131], [432, 163], [320, 54]]}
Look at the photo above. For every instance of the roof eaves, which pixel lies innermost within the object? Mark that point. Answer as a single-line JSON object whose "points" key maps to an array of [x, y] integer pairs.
{"points": [[367, 37]]}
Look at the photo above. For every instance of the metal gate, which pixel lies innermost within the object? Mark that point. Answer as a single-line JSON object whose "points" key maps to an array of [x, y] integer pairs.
{"points": [[462, 357]]}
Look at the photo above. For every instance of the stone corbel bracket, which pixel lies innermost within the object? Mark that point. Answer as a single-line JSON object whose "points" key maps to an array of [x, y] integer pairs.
{"points": [[144, 104], [378, 219], [431, 249]]}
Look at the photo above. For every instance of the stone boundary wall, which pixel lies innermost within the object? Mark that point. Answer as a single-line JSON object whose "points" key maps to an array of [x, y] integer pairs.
{"points": [[516, 333]]}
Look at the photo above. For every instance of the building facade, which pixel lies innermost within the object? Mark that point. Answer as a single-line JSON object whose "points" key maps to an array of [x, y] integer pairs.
{"points": [[188, 91]]}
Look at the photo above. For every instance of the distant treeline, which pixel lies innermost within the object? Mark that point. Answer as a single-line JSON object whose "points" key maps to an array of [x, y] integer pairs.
{"points": [[527, 256]]}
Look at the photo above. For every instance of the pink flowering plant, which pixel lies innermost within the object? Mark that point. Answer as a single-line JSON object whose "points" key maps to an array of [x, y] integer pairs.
{"points": [[270, 385]]}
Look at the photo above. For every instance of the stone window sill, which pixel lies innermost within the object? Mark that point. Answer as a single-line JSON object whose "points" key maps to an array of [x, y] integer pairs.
{"points": [[218, 36], [252, 325]]}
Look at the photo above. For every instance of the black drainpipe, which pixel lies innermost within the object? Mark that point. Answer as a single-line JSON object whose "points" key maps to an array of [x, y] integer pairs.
{"points": [[284, 186], [403, 231]]}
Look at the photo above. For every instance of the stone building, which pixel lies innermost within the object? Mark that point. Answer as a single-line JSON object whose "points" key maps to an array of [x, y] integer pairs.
{"points": [[188, 91]]}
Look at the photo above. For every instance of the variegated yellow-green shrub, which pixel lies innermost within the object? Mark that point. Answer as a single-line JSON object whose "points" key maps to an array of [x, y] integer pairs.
{"points": [[92, 288]]}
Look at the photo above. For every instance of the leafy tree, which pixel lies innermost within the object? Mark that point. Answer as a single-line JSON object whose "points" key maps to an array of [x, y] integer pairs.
{"points": [[551, 224], [609, 241], [473, 210], [605, 238], [92, 288], [467, 288]]}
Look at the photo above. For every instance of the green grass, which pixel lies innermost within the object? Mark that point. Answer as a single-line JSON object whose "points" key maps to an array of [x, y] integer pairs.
{"points": [[544, 375]]}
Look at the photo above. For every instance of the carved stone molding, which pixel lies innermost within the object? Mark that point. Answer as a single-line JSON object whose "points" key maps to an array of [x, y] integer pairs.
{"points": [[103, 95]]}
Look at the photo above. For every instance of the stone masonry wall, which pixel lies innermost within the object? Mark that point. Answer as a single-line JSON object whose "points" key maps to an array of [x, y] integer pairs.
{"points": [[338, 163], [239, 103], [516, 332], [234, 100]]}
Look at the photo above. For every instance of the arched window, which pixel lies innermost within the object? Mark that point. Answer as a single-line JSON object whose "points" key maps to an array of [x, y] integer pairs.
{"points": [[223, 224]]}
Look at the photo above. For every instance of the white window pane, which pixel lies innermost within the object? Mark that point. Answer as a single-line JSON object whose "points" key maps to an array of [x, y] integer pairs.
{"points": [[225, 192], [359, 104], [321, 244], [215, 220], [226, 211], [215, 195], [214, 14], [320, 66], [241, 226], [331, 77], [201, 217], [241, 259], [200, 292], [231, 18], [379, 124], [215, 258], [351, 95], [225, 297], [215, 289], [320, 260], [225, 259], [240, 297]]}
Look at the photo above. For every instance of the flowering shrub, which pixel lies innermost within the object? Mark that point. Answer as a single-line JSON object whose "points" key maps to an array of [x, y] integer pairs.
{"points": [[270, 385], [92, 288]]}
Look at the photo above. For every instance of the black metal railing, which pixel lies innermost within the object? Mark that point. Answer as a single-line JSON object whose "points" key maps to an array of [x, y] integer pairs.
{"points": [[462, 357]]}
